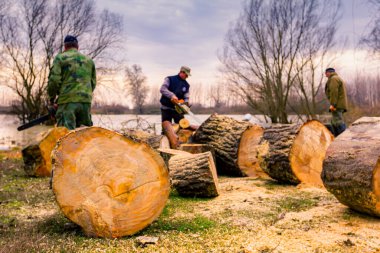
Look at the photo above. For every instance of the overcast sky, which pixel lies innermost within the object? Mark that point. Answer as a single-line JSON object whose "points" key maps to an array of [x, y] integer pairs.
{"points": [[162, 35]]}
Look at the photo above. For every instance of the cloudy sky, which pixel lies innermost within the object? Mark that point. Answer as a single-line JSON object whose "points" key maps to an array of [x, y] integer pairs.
{"points": [[162, 35]]}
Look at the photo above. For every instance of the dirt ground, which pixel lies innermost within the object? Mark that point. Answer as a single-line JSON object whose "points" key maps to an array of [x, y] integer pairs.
{"points": [[250, 215]]}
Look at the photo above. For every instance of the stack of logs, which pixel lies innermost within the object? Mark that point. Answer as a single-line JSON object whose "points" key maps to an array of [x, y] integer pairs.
{"points": [[115, 184]]}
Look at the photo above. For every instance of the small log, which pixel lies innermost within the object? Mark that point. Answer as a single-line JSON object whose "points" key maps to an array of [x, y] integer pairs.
{"points": [[155, 141], [36, 155], [167, 153], [294, 153], [107, 183], [170, 132], [195, 148], [194, 175], [351, 170], [184, 123], [235, 144], [185, 135]]}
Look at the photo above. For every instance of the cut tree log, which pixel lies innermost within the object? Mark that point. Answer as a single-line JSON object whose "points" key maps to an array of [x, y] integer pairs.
{"points": [[235, 144], [184, 123], [185, 135], [195, 148], [351, 170], [155, 141], [167, 153], [194, 175], [294, 153], [170, 132], [107, 183], [36, 155]]}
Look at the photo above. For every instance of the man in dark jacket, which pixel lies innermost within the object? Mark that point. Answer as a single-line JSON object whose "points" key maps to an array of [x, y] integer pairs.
{"points": [[174, 89], [72, 80], [335, 90]]}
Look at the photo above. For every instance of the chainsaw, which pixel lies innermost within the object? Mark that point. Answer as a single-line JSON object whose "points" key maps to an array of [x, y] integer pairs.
{"points": [[182, 108]]}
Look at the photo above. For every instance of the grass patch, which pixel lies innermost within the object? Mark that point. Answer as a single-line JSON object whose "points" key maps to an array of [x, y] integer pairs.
{"points": [[178, 204], [193, 225], [292, 204]]}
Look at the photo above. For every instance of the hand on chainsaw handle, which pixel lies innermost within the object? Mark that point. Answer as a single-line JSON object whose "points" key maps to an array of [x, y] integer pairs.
{"points": [[174, 99]]}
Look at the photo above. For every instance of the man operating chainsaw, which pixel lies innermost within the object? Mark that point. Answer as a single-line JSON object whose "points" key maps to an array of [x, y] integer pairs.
{"points": [[174, 90], [72, 80]]}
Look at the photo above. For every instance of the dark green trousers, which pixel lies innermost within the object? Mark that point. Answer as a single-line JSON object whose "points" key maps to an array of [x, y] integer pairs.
{"points": [[337, 122], [73, 115]]}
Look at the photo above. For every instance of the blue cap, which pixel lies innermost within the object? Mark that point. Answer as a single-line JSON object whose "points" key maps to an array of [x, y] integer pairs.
{"points": [[330, 70], [70, 38]]}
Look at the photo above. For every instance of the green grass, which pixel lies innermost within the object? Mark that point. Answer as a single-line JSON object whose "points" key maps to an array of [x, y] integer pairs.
{"points": [[296, 204]]}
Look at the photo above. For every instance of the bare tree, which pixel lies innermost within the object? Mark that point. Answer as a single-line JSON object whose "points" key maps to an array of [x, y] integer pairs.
{"points": [[268, 46], [372, 39], [32, 32], [136, 86], [217, 97]]}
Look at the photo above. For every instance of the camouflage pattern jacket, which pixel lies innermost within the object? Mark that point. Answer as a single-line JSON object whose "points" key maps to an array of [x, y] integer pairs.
{"points": [[72, 78]]}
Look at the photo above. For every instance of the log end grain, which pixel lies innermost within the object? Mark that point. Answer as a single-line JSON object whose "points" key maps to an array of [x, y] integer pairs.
{"points": [[308, 152], [107, 183]]}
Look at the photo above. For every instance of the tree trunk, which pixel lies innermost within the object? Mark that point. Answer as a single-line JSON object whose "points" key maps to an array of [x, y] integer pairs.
{"points": [[185, 135], [235, 144], [107, 183], [155, 141], [194, 175], [171, 133], [36, 155], [294, 153], [351, 170], [167, 153], [195, 148]]}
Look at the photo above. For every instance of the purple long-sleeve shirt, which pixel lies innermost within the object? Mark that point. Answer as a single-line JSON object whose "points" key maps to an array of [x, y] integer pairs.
{"points": [[167, 93]]}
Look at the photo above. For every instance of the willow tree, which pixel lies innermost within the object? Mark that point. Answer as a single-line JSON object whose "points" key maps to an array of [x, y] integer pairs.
{"points": [[270, 44], [32, 32]]}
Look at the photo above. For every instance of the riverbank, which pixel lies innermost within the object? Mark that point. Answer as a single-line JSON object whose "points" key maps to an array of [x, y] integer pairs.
{"points": [[250, 215]]}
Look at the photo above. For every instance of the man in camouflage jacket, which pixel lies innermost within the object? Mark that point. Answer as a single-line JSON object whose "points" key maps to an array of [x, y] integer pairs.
{"points": [[335, 90], [72, 80]]}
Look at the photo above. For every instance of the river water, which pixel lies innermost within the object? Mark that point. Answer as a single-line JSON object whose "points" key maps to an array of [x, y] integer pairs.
{"points": [[10, 137]]}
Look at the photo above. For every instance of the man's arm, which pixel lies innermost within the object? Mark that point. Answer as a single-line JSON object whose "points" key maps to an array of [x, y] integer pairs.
{"points": [[187, 97], [166, 92], [334, 91], [54, 81], [93, 77]]}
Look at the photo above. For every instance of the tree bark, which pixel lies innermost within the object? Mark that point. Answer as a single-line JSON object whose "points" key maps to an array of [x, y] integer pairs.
{"points": [[351, 170], [107, 183], [294, 153], [155, 141], [235, 144], [167, 153], [194, 175], [36, 155]]}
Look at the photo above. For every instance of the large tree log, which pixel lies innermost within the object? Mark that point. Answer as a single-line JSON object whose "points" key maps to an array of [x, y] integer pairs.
{"points": [[194, 175], [235, 144], [294, 153], [155, 141], [36, 155], [351, 170], [107, 183]]}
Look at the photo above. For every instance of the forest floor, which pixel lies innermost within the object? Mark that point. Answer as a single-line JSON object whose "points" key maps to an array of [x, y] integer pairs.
{"points": [[250, 215]]}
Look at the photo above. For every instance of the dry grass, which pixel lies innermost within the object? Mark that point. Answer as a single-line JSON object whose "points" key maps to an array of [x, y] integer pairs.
{"points": [[251, 215]]}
